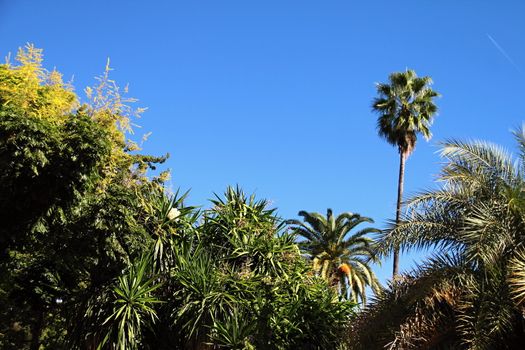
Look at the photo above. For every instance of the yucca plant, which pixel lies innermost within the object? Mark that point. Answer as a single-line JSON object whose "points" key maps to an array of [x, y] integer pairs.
{"points": [[244, 283], [133, 302], [166, 220], [234, 331], [237, 220], [206, 293]]}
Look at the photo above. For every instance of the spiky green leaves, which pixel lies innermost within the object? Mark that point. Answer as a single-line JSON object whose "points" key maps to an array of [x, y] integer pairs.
{"points": [[133, 306], [330, 243]]}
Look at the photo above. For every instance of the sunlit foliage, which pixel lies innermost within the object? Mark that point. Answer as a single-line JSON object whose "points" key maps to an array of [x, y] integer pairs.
{"points": [[97, 254], [470, 294]]}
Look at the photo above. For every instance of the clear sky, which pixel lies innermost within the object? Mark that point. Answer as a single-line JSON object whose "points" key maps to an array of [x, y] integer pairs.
{"points": [[275, 95]]}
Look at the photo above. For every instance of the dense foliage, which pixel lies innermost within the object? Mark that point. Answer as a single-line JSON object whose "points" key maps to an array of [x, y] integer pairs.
{"points": [[94, 254], [97, 254], [470, 294]]}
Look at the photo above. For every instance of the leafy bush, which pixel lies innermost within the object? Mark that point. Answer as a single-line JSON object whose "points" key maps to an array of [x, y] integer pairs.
{"points": [[96, 255]]}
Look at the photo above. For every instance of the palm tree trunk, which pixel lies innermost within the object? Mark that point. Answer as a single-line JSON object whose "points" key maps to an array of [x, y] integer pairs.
{"points": [[400, 184]]}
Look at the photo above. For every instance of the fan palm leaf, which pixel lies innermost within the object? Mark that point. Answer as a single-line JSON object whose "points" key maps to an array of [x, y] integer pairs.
{"points": [[406, 108]]}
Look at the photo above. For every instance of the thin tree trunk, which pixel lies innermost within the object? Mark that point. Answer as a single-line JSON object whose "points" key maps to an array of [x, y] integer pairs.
{"points": [[400, 183], [36, 330]]}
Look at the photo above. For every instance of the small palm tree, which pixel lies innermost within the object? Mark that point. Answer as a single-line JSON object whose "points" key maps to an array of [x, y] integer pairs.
{"points": [[340, 258], [406, 109]]}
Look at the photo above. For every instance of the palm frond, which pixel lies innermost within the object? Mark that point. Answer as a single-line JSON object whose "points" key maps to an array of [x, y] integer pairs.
{"points": [[516, 276], [415, 311], [488, 157], [405, 107], [329, 244]]}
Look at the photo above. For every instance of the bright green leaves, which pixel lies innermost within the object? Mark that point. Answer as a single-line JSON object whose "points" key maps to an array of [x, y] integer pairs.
{"points": [[70, 222], [133, 306], [240, 283], [94, 254], [234, 331]]}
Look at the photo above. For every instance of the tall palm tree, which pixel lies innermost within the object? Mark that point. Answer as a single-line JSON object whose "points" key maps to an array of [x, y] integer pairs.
{"points": [[406, 108], [471, 294], [340, 258]]}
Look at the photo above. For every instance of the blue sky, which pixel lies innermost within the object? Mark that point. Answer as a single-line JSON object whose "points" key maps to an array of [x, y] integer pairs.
{"points": [[275, 95]]}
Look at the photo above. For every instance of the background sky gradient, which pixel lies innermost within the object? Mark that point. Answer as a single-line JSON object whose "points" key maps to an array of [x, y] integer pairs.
{"points": [[275, 95]]}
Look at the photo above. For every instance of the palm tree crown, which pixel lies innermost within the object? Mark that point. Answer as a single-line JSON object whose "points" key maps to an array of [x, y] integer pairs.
{"points": [[405, 108], [338, 257]]}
